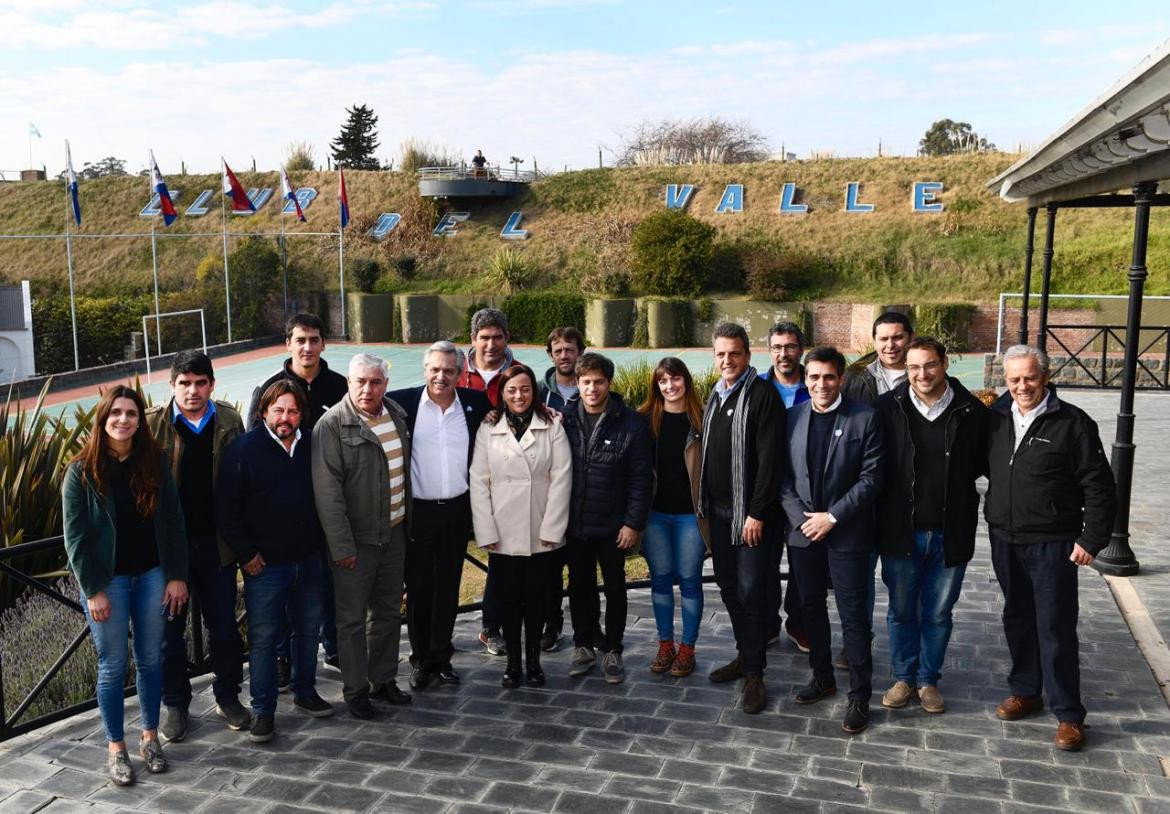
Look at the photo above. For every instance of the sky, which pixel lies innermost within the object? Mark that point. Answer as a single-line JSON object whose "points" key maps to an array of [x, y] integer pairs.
{"points": [[550, 80]]}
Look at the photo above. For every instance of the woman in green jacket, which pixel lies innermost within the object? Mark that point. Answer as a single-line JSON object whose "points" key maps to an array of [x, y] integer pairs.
{"points": [[127, 547]]}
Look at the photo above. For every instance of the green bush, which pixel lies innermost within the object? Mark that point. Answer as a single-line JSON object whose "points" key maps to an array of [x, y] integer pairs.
{"points": [[778, 276], [363, 274], [950, 323], [641, 338], [256, 275], [509, 271], [671, 253], [633, 381], [532, 316]]}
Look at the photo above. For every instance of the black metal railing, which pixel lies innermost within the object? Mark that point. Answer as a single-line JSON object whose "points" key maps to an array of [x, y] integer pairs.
{"points": [[12, 726], [1105, 343]]}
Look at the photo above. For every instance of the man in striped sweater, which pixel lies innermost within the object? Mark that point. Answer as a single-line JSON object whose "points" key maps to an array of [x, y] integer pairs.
{"points": [[364, 440]]}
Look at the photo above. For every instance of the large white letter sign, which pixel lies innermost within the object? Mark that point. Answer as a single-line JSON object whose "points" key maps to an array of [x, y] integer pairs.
{"points": [[924, 196], [385, 225], [788, 205], [447, 223], [677, 197], [152, 210], [732, 200], [200, 206], [305, 196], [511, 230], [851, 204], [258, 197]]}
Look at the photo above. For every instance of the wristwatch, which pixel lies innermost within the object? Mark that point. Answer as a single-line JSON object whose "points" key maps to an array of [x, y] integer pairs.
{"points": [[832, 519]]}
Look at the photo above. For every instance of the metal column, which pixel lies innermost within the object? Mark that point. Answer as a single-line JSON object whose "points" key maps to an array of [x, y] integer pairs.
{"points": [[1046, 281], [1029, 250], [1118, 558]]}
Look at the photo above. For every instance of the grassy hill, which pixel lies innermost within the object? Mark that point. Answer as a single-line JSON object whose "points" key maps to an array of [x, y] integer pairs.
{"points": [[579, 225]]}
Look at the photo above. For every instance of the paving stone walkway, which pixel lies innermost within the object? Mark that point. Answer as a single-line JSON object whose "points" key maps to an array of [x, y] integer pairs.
{"points": [[664, 744]]}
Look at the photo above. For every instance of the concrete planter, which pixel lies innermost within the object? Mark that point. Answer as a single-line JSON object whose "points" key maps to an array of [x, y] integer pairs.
{"points": [[610, 323], [369, 317]]}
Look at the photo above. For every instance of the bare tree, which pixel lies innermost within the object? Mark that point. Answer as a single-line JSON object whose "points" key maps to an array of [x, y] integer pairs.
{"points": [[696, 141]]}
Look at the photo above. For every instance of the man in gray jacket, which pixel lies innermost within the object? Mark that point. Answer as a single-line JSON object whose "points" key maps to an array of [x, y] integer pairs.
{"points": [[361, 441]]}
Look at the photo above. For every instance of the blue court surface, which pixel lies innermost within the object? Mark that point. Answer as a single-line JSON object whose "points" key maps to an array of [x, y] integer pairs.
{"points": [[236, 380]]}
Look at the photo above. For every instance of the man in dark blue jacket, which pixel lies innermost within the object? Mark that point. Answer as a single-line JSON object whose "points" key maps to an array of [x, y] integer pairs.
{"points": [[835, 446], [265, 512], [1051, 503], [443, 420], [612, 485]]}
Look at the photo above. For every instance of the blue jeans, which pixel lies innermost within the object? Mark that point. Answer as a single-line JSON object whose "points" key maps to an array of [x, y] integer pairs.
{"points": [[328, 618], [922, 592], [297, 586], [134, 602], [674, 550]]}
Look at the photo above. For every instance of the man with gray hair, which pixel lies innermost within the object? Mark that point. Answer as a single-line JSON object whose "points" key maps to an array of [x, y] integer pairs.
{"points": [[443, 420], [361, 441], [488, 357], [1051, 502]]}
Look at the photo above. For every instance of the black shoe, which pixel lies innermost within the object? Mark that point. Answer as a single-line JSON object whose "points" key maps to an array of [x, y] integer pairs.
{"points": [[283, 674], [754, 695], [390, 693], [360, 707], [815, 690], [262, 729], [513, 674], [447, 675], [534, 676], [550, 640], [238, 718], [728, 672], [174, 724], [856, 717], [420, 678], [333, 663], [314, 705]]}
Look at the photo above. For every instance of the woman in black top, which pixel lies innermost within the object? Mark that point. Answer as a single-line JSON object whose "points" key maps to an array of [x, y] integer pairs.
{"points": [[127, 547], [673, 543]]}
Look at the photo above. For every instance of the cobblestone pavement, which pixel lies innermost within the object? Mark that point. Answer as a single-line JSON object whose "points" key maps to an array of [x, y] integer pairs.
{"points": [[665, 744]]}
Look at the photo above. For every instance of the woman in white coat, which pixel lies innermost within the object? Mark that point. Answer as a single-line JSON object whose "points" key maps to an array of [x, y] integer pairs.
{"points": [[521, 482]]}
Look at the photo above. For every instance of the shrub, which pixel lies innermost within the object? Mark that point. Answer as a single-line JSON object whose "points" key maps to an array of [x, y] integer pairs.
{"points": [[950, 323], [416, 154], [777, 276], [364, 274], [405, 264], [632, 382], [641, 337], [256, 274], [33, 634], [509, 271], [671, 254], [299, 157], [532, 316]]}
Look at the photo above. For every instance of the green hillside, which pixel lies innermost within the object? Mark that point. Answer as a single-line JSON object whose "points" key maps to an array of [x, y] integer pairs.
{"points": [[579, 225]]}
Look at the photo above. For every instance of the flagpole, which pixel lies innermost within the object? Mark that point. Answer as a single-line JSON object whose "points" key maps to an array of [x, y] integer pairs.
{"points": [[341, 271], [154, 265], [227, 284], [69, 266], [284, 255]]}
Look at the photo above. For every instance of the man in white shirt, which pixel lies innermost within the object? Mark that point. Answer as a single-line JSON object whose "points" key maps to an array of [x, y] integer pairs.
{"points": [[443, 420]]}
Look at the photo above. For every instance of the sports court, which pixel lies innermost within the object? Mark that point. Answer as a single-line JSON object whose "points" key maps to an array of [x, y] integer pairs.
{"points": [[237, 375]]}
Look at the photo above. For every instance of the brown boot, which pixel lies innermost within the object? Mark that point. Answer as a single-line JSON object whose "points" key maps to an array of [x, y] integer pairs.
{"points": [[1015, 707], [728, 672], [665, 658], [754, 696], [1070, 737], [684, 662]]}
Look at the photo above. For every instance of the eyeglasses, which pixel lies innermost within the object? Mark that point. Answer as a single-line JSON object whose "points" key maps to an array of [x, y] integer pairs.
{"points": [[929, 367], [785, 348]]}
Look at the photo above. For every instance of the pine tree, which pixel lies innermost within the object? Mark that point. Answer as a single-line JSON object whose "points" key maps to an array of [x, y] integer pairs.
{"points": [[354, 147]]}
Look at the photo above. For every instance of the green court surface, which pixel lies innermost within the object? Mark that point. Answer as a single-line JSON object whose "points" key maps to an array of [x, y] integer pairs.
{"points": [[235, 381]]}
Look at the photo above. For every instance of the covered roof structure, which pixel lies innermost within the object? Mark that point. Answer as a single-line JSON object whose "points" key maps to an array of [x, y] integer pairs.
{"points": [[1119, 142]]}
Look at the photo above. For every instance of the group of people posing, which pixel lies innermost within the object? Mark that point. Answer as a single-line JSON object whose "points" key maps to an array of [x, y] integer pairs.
{"points": [[336, 497]]}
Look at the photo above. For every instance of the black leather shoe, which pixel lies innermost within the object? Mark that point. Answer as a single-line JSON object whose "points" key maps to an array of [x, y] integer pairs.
{"points": [[728, 672], [815, 690], [754, 695], [856, 717], [513, 677], [390, 693], [447, 675], [360, 707], [420, 678]]}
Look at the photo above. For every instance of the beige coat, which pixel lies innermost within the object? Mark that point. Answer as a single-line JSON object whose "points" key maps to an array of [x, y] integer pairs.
{"points": [[520, 490]]}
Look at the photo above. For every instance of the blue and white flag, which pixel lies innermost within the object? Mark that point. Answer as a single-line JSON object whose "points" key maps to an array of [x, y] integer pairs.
{"points": [[33, 131], [290, 193], [71, 179], [159, 186]]}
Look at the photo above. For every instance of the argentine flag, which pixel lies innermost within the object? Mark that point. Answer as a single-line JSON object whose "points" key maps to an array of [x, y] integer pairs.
{"points": [[159, 186], [290, 193], [71, 180]]}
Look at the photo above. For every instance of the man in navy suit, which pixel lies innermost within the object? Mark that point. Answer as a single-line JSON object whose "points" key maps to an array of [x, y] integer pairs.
{"points": [[835, 446], [442, 420]]}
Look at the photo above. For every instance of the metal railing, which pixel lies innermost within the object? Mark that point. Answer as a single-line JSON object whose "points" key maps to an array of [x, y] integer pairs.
{"points": [[1093, 356], [488, 173], [11, 726]]}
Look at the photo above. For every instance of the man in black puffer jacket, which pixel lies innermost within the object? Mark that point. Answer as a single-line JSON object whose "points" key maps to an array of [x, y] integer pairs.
{"points": [[1050, 507], [612, 485]]}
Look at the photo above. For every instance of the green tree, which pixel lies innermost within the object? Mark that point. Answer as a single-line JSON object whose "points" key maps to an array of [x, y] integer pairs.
{"points": [[671, 253], [355, 144], [946, 137], [255, 270]]}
